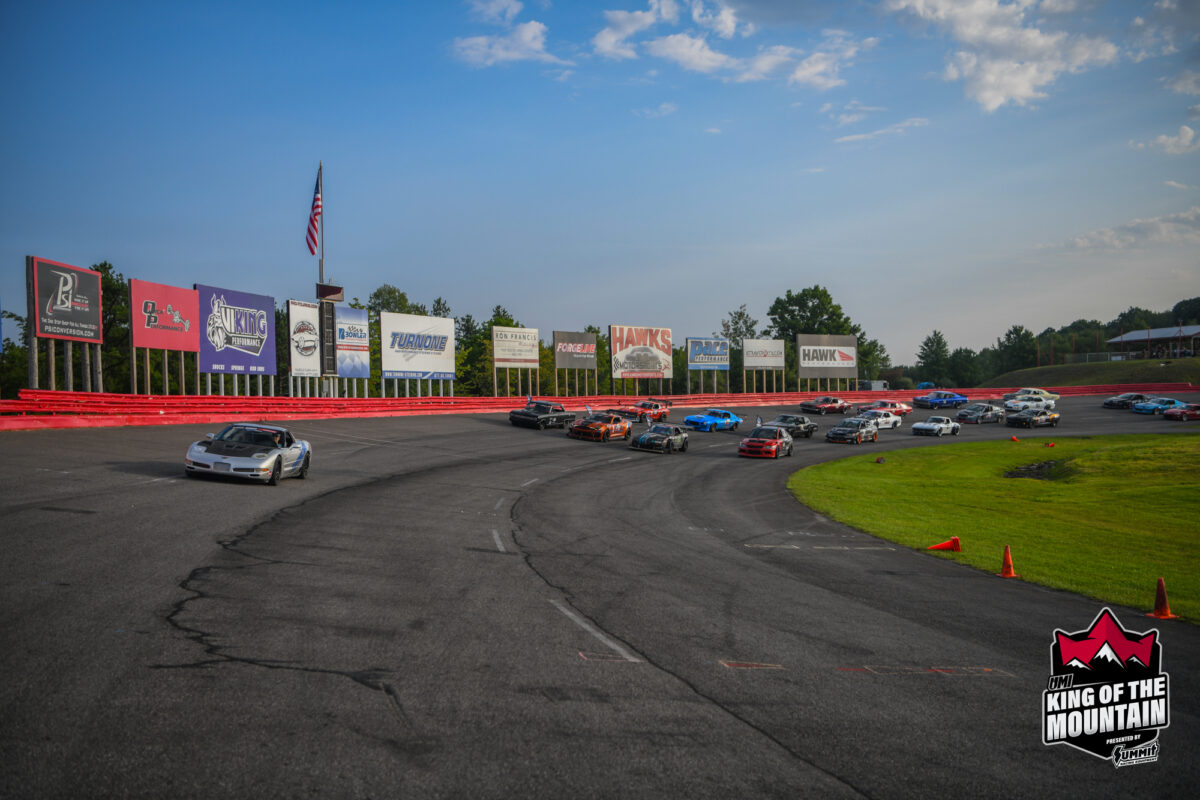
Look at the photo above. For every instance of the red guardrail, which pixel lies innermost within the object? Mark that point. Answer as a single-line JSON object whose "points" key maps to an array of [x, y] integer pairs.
{"points": [[42, 408]]}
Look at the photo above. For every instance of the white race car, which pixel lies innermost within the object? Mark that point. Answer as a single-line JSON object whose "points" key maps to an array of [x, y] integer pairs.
{"points": [[883, 419], [250, 450], [1026, 402], [936, 426]]}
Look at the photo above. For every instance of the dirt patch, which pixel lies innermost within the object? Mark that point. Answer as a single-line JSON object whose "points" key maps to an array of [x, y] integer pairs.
{"points": [[1040, 471]]}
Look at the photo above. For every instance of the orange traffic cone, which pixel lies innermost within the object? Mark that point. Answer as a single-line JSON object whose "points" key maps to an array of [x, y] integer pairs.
{"points": [[1049, 444], [1006, 569], [950, 545], [1015, 439], [1162, 609]]}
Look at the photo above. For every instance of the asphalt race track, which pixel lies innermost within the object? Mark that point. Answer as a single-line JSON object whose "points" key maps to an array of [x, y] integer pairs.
{"points": [[453, 607]]}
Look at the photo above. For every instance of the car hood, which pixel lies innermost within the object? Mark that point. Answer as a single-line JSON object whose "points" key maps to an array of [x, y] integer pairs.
{"points": [[234, 449]]}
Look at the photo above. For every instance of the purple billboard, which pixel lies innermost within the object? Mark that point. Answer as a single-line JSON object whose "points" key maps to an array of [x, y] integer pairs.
{"points": [[239, 332]]}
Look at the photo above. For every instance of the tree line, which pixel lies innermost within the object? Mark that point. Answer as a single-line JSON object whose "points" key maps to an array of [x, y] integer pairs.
{"points": [[809, 311]]}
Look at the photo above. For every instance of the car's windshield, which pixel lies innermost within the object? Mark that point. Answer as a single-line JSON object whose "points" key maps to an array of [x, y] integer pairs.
{"points": [[665, 430], [937, 420], [254, 436], [599, 418], [765, 432], [541, 408], [786, 419]]}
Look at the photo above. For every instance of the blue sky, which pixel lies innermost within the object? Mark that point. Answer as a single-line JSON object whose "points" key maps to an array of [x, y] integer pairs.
{"points": [[963, 165]]}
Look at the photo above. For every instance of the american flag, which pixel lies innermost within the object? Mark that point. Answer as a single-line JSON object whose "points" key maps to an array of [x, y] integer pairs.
{"points": [[314, 216]]}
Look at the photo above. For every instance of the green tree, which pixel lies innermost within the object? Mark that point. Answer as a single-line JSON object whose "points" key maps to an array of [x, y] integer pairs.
{"points": [[1017, 350], [1187, 312], [962, 367], [933, 359], [440, 308]]}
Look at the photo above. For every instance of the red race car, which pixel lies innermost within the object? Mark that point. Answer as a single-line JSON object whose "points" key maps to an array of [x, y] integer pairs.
{"points": [[894, 406], [825, 405], [1190, 411], [643, 410]]}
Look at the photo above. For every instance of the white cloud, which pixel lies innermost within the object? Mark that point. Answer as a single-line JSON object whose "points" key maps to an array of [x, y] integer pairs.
{"points": [[890, 130], [1186, 142], [500, 12], [664, 109], [1194, 111], [714, 131], [814, 170], [722, 20], [766, 62], [821, 70], [525, 42], [690, 52], [1178, 185], [850, 113], [1186, 82], [1002, 59], [1181, 228], [611, 41]]}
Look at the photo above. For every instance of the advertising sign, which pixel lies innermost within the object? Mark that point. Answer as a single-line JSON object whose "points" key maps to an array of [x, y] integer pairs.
{"points": [[239, 332], [353, 343], [574, 350], [304, 339], [821, 356], [640, 352], [417, 347], [65, 302], [515, 347], [164, 317], [708, 354], [762, 353]]}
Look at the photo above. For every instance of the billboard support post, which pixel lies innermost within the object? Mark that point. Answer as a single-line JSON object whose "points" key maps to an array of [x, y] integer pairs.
{"points": [[68, 367]]}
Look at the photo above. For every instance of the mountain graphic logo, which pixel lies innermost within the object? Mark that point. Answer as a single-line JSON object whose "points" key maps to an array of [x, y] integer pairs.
{"points": [[1107, 694]]}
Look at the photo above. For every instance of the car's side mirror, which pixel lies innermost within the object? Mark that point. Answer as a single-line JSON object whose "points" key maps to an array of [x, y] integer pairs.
{"points": [[208, 436]]}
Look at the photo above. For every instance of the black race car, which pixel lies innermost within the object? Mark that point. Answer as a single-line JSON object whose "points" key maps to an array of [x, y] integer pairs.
{"points": [[796, 425], [1127, 400], [541, 415], [978, 413], [662, 437], [1033, 418]]}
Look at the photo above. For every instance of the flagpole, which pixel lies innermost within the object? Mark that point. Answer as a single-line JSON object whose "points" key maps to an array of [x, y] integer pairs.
{"points": [[321, 187]]}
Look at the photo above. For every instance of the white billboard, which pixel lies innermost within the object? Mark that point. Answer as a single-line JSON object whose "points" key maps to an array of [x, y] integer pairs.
{"points": [[832, 357], [762, 353], [640, 352], [514, 347], [304, 339], [416, 347]]}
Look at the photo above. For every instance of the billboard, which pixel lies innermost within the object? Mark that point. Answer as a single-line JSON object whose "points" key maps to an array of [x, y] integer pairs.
{"points": [[239, 332], [708, 354], [820, 356], [640, 352], [64, 301], [304, 339], [353, 342], [762, 353], [514, 347], [164, 317], [574, 350], [417, 347]]}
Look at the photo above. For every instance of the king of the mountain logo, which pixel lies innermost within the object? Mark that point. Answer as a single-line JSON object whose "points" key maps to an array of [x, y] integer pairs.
{"points": [[1107, 694]]}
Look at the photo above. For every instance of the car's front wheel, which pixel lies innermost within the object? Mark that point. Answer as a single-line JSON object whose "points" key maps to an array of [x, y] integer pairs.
{"points": [[276, 471], [303, 473], [667, 447]]}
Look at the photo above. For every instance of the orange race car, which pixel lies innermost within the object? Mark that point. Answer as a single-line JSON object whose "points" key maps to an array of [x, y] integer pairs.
{"points": [[600, 427]]}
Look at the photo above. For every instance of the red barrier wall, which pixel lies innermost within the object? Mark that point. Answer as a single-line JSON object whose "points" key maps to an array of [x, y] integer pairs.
{"points": [[41, 409]]}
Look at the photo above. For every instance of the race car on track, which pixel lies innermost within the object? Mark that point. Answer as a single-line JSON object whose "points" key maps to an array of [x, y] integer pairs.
{"points": [[766, 441], [1033, 418], [940, 399], [1028, 401], [661, 437], [825, 405], [894, 406], [600, 427], [1125, 400], [795, 425], [1038, 392], [979, 413], [250, 450], [854, 430], [714, 419], [1190, 411], [936, 426], [1157, 405], [541, 415], [882, 419], [643, 410]]}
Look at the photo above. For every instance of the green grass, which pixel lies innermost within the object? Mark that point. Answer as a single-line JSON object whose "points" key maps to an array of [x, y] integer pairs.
{"points": [[1177, 370], [1116, 514]]}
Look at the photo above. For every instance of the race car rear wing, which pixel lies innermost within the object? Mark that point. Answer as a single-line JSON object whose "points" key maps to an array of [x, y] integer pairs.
{"points": [[666, 403]]}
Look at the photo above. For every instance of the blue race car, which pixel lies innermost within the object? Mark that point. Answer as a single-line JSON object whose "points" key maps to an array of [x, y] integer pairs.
{"points": [[941, 399], [1157, 405], [714, 419]]}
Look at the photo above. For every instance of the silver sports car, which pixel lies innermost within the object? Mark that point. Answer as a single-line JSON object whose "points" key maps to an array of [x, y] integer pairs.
{"points": [[251, 450]]}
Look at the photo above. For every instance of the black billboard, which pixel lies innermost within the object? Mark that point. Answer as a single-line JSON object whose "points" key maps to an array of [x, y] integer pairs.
{"points": [[64, 301], [574, 350]]}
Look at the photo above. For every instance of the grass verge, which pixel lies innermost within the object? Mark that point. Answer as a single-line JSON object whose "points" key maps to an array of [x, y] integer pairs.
{"points": [[1111, 516]]}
